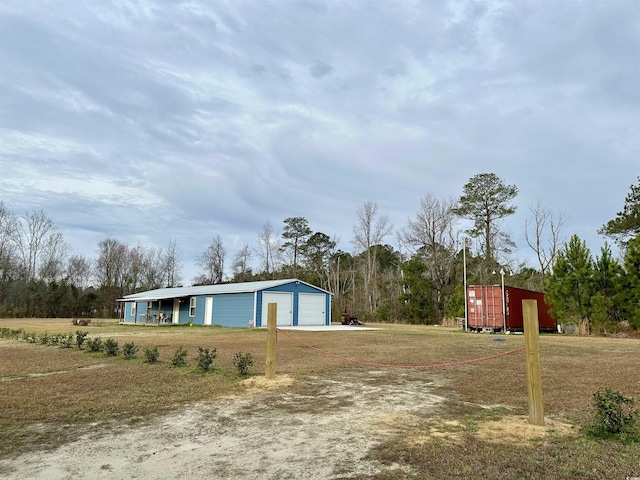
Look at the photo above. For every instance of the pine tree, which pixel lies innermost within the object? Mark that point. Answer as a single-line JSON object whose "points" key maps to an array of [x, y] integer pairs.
{"points": [[571, 285], [486, 200], [608, 299], [626, 225], [632, 286], [296, 231]]}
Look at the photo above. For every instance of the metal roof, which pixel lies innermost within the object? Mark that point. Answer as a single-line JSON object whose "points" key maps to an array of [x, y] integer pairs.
{"points": [[178, 292]]}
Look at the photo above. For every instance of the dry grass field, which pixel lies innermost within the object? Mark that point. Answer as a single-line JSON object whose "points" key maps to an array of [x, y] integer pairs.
{"points": [[464, 421]]}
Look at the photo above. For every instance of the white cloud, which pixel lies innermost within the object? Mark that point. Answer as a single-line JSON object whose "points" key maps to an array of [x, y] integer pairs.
{"points": [[149, 119], [40, 146]]}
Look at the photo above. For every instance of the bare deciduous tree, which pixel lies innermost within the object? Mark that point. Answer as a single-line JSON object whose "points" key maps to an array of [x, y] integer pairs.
{"points": [[79, 271], [52, 265], [109, 268], [40, 246], [134, 267], [368, 235], [211, 261], [171, 258], [240, 265], [542, 231], [153, 274], [110, 272], [8, 231], [432, 234], [143, 268], [267, 248], [341, 279]]}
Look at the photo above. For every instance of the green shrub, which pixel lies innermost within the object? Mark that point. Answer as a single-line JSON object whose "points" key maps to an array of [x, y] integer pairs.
{"points": [[178, 359], [242, 362], [31, 337], [66, 341], [12, 333], [206, 358], [615, 416], [94, 344], [129, 350], [110, 347], [151, 354], [81, 337]]}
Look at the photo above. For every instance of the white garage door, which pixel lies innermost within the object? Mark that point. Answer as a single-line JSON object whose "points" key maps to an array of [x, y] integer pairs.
{"points": [[285, 307], [311, 309]]}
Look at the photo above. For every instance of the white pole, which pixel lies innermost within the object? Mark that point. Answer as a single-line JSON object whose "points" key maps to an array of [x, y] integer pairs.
{"points": [[504, 312], [464, 277]]}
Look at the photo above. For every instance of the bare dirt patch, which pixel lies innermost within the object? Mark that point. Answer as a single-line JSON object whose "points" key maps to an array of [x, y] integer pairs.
{"points": [[315, 428], [510, 429], [517, 429], [255, 385]]}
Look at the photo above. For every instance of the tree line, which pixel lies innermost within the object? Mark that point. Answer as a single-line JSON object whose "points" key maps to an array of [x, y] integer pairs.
{"points": [[410, 274], [600, 293], [40, 277]]}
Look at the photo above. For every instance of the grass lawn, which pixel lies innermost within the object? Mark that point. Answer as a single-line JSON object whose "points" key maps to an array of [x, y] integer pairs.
{"points": [[50, 395]]}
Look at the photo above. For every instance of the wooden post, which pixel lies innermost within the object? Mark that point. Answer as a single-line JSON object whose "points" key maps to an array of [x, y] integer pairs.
{"points": [[270, 364], [532, 348]]}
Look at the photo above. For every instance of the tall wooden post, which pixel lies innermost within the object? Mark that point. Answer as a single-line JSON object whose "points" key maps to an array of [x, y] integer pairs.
{"points": [[270, 364], [532, 348]]}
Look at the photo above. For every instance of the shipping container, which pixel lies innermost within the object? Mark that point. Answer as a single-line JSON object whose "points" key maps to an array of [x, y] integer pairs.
{"points": [[486, 310]]}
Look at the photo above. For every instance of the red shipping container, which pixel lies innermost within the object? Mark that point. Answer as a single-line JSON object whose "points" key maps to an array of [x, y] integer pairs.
{"points": [[487, 311]]}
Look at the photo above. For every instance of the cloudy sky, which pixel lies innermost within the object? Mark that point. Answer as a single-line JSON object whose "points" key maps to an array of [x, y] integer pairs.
{"points": [[154, 120]]}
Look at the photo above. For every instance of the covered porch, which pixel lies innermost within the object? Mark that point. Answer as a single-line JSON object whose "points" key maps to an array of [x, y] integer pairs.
{"points": [[154, 311]]}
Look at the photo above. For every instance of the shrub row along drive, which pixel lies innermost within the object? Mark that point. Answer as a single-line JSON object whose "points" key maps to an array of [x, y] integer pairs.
{"points": [[206, 357]]}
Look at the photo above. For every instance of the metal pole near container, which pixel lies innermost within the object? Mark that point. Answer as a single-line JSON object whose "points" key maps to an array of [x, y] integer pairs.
{"points": [[464, 280], [504, 312]]}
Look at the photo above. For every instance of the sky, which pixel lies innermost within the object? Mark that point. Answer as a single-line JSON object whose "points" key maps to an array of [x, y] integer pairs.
{"points": [[158, 120]]}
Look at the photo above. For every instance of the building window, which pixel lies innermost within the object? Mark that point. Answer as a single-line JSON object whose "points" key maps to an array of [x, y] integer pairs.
{"points": [[133, 310], [192, 307]]}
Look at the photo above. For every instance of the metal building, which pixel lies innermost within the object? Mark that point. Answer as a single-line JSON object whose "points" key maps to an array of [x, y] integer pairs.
{"points": [[231, 304]]}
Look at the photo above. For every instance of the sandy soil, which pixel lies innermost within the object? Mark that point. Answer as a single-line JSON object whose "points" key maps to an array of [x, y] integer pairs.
{"points": [[319, 428]]}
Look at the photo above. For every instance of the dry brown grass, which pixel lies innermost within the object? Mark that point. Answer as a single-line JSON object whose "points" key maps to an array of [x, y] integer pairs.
{"points": [[48, 394]]}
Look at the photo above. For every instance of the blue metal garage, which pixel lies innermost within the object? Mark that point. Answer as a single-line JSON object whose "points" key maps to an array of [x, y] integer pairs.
{"points": [[231, 304]]}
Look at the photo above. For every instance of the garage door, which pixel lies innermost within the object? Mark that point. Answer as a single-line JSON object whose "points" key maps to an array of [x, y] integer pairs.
{"points": [[285, 307], [311, 309]]}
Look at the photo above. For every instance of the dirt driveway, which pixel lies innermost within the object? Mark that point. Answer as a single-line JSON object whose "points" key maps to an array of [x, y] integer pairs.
{"points": [[317, 428]]}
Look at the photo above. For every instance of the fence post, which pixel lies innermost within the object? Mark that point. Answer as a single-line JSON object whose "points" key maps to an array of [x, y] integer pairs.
{"points": [[270, 364], [532, 348]]}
